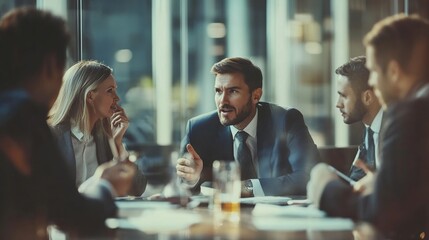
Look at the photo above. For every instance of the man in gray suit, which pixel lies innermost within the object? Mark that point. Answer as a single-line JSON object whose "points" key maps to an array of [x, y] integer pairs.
{"points": [[278, 147]]}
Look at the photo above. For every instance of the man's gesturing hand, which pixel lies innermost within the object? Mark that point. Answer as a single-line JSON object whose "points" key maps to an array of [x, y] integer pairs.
{"points": [[189, 167]]}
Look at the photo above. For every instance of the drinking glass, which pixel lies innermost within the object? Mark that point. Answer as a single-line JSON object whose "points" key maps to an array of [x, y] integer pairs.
{"points": [[227, 189]]}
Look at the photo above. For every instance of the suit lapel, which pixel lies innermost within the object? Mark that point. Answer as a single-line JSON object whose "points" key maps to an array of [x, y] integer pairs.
{"points": [[65, 143], [224, 145], [265, 140]]}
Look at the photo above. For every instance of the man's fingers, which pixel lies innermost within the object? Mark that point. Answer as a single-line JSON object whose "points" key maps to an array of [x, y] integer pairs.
{"points": [[184, 169], [192, 151], [361, 164], [186, 176]]}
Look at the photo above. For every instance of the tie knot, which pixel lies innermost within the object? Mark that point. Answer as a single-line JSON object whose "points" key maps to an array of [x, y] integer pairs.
{"points": [[241, 136]]}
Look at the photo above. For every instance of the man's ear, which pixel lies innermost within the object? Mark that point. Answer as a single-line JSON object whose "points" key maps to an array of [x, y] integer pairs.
{"points": [[368, 97], [256, 95]]}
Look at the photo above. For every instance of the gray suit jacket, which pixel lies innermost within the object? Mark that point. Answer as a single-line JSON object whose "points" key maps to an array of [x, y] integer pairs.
{"points": [[286, 151], [63, 136]]}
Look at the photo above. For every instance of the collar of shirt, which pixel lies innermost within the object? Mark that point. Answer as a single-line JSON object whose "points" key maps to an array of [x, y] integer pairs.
{"points": [[75, 130], [249, 129], [376, 122]]}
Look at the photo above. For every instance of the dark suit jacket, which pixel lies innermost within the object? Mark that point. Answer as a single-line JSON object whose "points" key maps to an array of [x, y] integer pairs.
{"points": [[62, 134], [399, 205], [48, 195], [286, 151]]}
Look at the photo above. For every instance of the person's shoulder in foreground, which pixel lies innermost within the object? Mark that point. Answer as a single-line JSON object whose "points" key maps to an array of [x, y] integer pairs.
{"points": [[35, 186], [397, 200]]}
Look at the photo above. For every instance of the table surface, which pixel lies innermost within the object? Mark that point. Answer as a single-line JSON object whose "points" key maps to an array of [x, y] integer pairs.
{"points": [[212, 225]]}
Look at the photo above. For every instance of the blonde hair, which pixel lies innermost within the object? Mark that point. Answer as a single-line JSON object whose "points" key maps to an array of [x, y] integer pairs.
{"points": [[71, 105]]}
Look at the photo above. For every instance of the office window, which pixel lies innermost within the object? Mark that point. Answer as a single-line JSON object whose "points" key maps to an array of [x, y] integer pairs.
{"points": [[162, 50], [6, 5]]}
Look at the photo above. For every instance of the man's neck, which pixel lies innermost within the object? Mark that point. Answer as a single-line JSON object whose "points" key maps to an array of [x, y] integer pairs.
{"points": [[371, 114]]}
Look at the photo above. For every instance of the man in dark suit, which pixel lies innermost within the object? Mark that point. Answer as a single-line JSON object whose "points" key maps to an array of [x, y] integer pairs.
{"points": [[278, 148], [397, 50], [357, 103], [35, 186]]}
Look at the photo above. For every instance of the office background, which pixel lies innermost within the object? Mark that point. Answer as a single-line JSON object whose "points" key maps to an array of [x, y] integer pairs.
{"points": [[162, 51]]}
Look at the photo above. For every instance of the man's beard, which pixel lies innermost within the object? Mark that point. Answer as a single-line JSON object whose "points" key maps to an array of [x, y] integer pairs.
{"points": [[357, 114], [243, 114]]}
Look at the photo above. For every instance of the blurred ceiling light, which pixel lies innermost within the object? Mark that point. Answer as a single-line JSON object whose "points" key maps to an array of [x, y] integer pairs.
{"points": [[123, 55], [218, 50], [313, 47], [216, 30]]}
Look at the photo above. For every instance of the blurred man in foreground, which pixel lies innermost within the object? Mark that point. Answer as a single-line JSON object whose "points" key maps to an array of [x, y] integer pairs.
{"points": [[36, 188], [397, 50]]}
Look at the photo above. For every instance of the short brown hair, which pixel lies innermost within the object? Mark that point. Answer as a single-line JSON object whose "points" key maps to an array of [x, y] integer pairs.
{"points": [[401, 38], [252, 74], [356, 72]]}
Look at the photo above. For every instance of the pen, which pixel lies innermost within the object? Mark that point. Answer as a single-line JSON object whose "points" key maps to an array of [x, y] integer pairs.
{"points": [[343, 176]]}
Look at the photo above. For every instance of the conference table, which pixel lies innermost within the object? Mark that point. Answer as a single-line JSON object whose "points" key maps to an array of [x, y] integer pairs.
{"points": [[142, 219]]}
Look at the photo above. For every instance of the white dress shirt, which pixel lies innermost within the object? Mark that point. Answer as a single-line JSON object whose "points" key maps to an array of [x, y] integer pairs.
{"points": [[85, 155]]}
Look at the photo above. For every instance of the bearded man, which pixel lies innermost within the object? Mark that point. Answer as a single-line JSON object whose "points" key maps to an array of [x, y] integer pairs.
{"points": [[272, 144]]}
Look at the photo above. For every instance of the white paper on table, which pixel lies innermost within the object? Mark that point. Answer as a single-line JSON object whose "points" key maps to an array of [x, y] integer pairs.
{"points": [[135, 208], [299, 224], [265, 199], [273, 217], [143, 204], [158, 220], [289, 211]]}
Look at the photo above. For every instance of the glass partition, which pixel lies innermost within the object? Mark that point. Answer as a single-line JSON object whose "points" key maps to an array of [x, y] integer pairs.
{"points": [[162, 51]]}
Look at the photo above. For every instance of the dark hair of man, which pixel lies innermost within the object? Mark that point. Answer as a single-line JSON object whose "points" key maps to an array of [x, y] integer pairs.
{"points": [[27, 37], [252, 74], [356, 73], [404, 39]]}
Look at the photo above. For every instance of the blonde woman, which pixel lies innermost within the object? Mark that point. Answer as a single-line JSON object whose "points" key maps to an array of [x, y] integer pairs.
{"points": [[88, 123]]}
